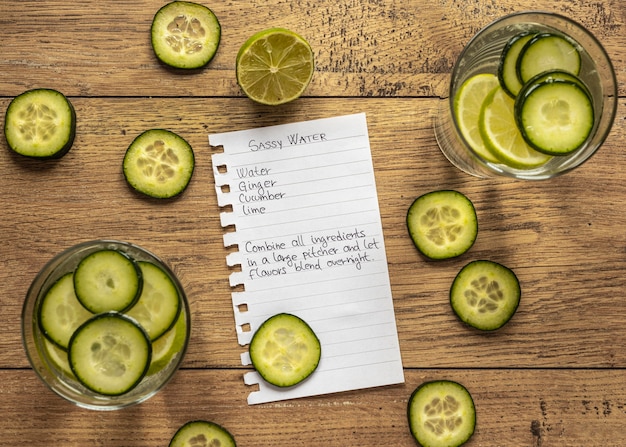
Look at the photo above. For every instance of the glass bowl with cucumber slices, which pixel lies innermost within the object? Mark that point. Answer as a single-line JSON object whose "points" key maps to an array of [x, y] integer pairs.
{"points": [[105, 324], [532, 95]]}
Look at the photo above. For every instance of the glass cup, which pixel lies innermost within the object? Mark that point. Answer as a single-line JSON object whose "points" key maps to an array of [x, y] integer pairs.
{"points": [[482, 55], [50, 362]]}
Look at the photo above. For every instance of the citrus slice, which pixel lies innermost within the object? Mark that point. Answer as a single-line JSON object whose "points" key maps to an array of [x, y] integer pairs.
{"points": [[274, 66], [467, 104], [502, 136]]}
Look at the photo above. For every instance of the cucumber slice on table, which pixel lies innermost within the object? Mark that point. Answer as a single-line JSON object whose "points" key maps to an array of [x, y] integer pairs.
{"points": [[40, 123], [441, 414], [485, 295], [159, 305], [60, 312], [442, 224], [555, 114], [185, 34], [159, 163], [202, 433], [107, 280], [507, 68], [285, 350], [109, 353], [547, 52]]}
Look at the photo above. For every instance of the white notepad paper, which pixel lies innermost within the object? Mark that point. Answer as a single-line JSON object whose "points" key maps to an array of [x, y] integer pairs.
{"points": [[310, 242]]}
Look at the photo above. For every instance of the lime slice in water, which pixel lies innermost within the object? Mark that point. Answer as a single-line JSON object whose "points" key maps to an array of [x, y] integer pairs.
{"points": [[502, 136], [467, 104]]}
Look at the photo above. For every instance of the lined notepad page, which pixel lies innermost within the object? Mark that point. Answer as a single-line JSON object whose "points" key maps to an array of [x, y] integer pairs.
{"points": [[309, 241]]}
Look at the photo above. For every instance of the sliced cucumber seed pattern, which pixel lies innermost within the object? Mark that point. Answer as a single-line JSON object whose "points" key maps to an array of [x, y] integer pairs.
{"points": [[485, 295], [185, 35], [442, 415], [158, 161]]}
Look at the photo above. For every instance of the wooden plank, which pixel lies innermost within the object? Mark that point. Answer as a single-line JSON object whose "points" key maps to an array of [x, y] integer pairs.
{"points": [[535, 407], [564, 237], [362, 48]]}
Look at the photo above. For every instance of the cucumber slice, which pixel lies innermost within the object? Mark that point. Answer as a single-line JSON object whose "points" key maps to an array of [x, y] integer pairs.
{"points": [[40, 123], [159, 164], [547, 52], [485, 295], [507, 68], [109, 354], [60, 312], [202, 433], [285, 350], [555, 116], [159, 305], [441, 413], [442, 224], [107, 280], [185, 35]]}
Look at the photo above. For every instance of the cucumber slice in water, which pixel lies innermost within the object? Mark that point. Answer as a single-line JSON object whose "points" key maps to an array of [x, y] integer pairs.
{"points": [[60, 312], [159, 305], [107, 280], [555, 116], [507, 69], [441, 414], [442, 224], [185, 34], [40, 123], [109, 354], [159, 164], [547, 52], [485, 295], [285, 350], [202, 434]]}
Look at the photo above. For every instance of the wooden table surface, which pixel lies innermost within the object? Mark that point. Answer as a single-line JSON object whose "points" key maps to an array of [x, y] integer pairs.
{"points": [[554, 376]]}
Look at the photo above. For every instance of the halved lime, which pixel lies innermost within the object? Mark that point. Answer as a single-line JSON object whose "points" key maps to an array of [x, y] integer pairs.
{"points": [[467, 104], [274, 66], [502, 136]]}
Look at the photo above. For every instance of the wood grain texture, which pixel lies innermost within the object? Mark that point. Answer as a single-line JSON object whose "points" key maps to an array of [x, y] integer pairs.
{"points": [[514, 408], [553, 376], [564, 239], [362, 47]]}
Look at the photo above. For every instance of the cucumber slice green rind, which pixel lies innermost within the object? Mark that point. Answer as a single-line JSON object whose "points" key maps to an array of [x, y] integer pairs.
{"points": [[159, 164], [185, 35], [107, 280], [109, 354], [60, 312], [485, 295], [202, 433], [285, 350], [547, 52], [442, 224], [507, 68], [159, 304], [40, 123], [441, 414], [555, 116]]}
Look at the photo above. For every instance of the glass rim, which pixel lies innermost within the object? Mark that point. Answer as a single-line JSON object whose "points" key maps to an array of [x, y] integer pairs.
{"points": [[609, 94], [29, 327]]}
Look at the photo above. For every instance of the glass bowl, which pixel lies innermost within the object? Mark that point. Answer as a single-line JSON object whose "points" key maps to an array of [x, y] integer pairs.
{"points": [[482, 55], [50, 362]]}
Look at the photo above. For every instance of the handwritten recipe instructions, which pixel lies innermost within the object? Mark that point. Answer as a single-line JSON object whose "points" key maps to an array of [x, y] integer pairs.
{"points": [[309, 242]]}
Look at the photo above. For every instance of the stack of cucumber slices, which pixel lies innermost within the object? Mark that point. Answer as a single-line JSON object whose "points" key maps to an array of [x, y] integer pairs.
{"points": [[112, 321], [534, 108]]}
